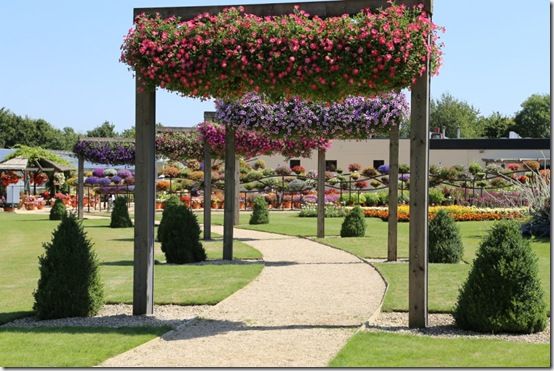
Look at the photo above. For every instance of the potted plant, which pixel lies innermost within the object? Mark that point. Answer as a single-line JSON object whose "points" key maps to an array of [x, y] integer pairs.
{"points": [[287, 202]]}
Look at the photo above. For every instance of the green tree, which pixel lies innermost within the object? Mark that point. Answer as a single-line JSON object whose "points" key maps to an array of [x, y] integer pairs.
{"points": [[451, 113], [534, 118], [496, 125], [128, 133], [106, 130]]}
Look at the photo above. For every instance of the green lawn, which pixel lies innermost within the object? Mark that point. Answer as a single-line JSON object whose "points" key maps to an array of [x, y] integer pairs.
{"points": [[370, 349], [444, 279], [22, 237], [69, 346]]}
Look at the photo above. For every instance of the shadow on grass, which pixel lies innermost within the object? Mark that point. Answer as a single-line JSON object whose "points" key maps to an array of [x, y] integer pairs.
{"points": [[10, 316], [126, 239]]}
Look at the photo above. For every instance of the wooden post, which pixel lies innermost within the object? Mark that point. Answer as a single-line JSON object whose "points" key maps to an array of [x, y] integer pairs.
{"points": [[236, 200], [207, 192], [321, 193], [145, 195], [80, 187], [392, 251], [419, 166], [229, 212]]}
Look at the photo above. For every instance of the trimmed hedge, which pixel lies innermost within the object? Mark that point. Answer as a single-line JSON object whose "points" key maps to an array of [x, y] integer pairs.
{"points": [[260, 215], [120, 214], [180, 236], [69, 283], [445, 242], [353, 224], [502, 292], [58, 211], [172, 201]]}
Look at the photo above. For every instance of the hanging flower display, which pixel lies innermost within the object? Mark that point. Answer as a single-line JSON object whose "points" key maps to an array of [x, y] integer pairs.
{"points": [[354, 118], [232, 53], [59, 179], [179, 146], [8, 177], [249, 143], [113, 153], [39, 178]]}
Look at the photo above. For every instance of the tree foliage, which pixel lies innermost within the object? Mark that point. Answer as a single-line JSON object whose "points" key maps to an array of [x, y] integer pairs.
{"points": [[533, 120], [451, 113], [105, 130], [497, 125]]}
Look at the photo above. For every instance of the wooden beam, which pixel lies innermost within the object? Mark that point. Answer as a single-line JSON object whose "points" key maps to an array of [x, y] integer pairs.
{"points": [[207, 192], [392, 250], [322, 9], [80, 187], [419, 169], [236, 198], [321, 193], [102, 139], [229, 212], [145, 195]]}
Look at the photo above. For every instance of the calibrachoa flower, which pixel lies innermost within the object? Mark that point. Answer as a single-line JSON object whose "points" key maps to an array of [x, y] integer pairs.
{"points": [[249, 143], [232, 53], [354, 118], [113, 153]]}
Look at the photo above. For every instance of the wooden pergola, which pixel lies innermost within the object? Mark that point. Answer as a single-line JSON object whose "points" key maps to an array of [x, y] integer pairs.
{"points": [[145, 113]]}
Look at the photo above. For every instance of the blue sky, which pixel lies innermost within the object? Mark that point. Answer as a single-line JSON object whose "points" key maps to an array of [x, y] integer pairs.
{"points": [[59, 59]]}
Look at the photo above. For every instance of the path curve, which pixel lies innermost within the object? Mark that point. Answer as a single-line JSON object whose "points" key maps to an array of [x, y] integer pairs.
{"points": [[299, 312]]}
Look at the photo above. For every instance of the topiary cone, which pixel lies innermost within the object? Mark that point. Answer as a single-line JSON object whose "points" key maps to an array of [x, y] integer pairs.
{"points": [[69, 283], [353, 224], [120, 214], [445, 243], [58, 211], [502, 292]]}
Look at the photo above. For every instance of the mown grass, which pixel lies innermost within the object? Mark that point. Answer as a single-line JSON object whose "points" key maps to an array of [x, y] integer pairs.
{"points": [[379, 349], [69, 346], [23, 235]]}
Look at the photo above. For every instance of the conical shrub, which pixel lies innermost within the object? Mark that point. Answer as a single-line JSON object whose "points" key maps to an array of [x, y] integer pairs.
{"points": [[260, 215], [69, 283], [120, 214], [58, 211], [172, 201], [445, 243], [181, 237], [353, 224], [502, 292]]}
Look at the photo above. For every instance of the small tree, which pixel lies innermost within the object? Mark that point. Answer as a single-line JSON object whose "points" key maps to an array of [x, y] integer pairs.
{"points": [[58, 211], [502, 292], [353, 224], [180, 236], [260, 215], [69, 283], [120, 214], [172, 201], [445, 243]]}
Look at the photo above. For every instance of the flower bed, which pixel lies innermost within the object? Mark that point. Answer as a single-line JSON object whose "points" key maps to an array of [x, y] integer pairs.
{"points": [[232, 53], [459, 213]]}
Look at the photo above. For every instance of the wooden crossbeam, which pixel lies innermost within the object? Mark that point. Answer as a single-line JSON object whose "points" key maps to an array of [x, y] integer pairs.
{"points": [[323, 9]]}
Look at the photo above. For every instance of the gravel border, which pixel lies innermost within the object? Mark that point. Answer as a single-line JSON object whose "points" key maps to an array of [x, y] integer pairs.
{"points": [[119, 315], [442, 325]]}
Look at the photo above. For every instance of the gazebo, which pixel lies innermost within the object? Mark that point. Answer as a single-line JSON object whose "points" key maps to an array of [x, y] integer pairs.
{"points": [[145, 153]]}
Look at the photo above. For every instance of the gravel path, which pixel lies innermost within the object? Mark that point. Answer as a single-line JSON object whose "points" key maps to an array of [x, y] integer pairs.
{"points": [[303, 307], [442, 325]]}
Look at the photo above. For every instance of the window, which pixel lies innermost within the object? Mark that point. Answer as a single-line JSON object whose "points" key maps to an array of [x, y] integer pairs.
{"points": [[377, 163], [331, 165], [293, 163]]}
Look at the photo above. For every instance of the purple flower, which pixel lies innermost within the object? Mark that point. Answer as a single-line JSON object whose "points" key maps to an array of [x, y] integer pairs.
{"points": [[383, 169], [98, 172], [104, 181], [124, 173], [91, 180], [116, 179]]}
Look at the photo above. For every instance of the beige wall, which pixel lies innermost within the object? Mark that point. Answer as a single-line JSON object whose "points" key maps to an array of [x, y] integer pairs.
{"points": [[365, 152]]}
